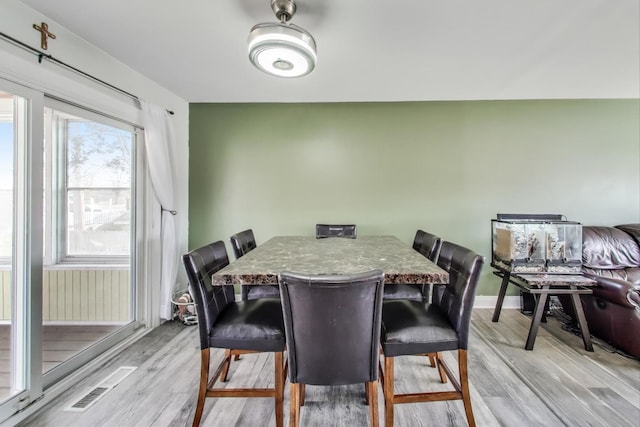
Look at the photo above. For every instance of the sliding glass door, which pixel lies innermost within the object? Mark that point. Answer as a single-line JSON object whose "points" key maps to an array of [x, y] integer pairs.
{"points": [[89, 251], [7, 150], [69, 180], [20, 245]]}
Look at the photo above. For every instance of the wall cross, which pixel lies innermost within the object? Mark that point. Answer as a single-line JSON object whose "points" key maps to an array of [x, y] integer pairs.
{"points": [[45, 34]]}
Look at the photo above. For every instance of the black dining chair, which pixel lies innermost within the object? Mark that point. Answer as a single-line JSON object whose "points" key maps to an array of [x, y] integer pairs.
{"points": [[428, 245], [332, 324], [246, 327], [335, 230], [414, 328], [242, 243]]}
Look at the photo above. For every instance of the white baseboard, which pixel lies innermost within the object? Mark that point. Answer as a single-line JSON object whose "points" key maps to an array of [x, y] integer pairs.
{"points": [[489, 301]]}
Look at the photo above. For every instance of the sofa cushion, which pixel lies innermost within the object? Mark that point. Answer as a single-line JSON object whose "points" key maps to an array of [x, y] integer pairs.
{"points": [[630, 274], [632, 229], [633, 275], [608, 248]]}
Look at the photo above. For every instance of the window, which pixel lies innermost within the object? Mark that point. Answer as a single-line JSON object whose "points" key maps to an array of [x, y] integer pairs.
{"points": [[90, 175], [6, 177]]}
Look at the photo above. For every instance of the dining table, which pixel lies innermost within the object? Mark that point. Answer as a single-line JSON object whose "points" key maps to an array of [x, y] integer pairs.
{"points": [[400, 263]]}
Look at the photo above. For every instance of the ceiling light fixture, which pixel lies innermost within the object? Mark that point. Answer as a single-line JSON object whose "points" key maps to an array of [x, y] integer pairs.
{"points": [[282, 49]]}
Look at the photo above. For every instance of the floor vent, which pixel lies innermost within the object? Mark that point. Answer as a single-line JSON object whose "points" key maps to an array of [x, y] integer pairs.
{"points": [[96, 392]]}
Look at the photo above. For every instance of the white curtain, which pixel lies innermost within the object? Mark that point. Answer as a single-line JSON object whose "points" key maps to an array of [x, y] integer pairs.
{"points": [[159, 138]]}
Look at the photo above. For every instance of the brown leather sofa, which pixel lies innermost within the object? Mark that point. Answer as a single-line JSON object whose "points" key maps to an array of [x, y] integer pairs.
{"points": [[611, 256]]}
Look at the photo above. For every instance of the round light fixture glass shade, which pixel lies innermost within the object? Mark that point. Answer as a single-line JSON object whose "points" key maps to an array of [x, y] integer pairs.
{"points": [[281, 49]]}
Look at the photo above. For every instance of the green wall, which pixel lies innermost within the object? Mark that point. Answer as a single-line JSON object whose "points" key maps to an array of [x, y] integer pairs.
{"points": [[445, 167]]}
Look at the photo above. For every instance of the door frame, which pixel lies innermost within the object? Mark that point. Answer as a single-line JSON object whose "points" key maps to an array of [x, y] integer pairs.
{"points": [[39, 387], [26, 263]]}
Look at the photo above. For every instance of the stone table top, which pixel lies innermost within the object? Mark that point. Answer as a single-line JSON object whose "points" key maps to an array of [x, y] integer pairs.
{"points": [[308, 255], [540, 279]]}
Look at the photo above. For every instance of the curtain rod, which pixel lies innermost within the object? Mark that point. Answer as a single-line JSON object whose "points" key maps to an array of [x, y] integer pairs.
{"points": [[41, 55]]}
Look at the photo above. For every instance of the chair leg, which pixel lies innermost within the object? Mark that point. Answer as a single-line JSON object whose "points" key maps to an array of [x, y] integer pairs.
{"points": [[204, 379], [461, 388], [443, 374], [279, 388], [432, 360], [372, 392], [464, 385], [303, 392], [366, 393], [388, 391], [227, 365], [294, 412]]}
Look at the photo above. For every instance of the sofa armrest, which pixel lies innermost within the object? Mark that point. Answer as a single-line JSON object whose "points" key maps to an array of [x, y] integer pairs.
{"points": [[616, 291]]}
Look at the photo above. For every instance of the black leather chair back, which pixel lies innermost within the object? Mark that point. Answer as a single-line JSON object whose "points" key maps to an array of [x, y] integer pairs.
{"points": [[335, 230], [417, 240], [456, 298], [243, 242], [427, 244], [210, 300], [332, 326]]}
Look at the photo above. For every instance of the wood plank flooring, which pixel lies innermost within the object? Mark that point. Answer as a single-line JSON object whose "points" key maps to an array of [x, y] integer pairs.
{"points": [[556, 384]]}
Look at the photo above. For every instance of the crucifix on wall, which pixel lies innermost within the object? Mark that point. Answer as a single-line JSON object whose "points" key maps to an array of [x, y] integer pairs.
{"points": [[45, 34]]}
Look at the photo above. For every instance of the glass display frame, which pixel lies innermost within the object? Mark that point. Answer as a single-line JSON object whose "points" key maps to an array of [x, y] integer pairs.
{"points": [[536, 244]]}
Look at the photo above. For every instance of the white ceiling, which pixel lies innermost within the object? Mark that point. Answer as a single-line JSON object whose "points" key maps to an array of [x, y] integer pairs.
{"points": [[373, 50]]}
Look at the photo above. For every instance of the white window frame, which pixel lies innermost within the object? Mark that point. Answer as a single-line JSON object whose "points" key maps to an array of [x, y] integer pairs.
{"points": [[27, 255], [57, 190]]}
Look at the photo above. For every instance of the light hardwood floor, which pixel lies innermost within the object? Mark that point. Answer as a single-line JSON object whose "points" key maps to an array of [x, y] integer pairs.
{"points": [[556, 384]]}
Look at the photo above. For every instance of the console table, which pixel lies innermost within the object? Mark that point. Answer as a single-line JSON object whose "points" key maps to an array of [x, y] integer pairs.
{"points": [[541, 286]]}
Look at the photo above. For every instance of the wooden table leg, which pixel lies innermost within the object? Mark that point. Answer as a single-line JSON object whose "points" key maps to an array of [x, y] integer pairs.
{"points": [[537, 316], [501, 293], [582, 321]]}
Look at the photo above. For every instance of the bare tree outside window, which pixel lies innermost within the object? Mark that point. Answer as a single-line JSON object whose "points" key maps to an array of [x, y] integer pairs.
{"points": [[98, 187]]}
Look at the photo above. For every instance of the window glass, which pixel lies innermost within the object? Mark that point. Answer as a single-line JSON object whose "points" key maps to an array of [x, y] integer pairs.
{"points": [[97, 155], [6, 176], [96, 211]]}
